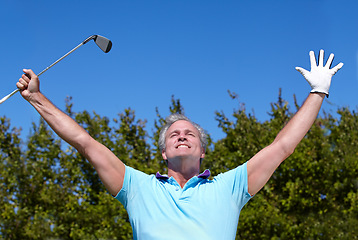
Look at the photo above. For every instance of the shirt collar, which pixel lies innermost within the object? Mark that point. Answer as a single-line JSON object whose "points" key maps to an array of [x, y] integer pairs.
{"points": [[204, 175]]}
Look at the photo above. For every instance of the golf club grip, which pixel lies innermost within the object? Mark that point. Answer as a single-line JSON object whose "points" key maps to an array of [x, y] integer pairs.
{"points": [[9, 95], [16, 90]]}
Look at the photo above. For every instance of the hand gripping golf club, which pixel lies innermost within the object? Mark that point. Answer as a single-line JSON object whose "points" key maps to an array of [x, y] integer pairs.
{"points": [[103, 43]]}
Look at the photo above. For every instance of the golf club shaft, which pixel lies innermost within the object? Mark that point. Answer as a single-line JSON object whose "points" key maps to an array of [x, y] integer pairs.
{"points": [[9, 95], [79, 45], [103, 43], [15, 91]]}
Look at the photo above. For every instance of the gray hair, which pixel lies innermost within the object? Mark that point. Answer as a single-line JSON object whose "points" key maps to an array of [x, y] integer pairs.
{"points": [[172, 118]]}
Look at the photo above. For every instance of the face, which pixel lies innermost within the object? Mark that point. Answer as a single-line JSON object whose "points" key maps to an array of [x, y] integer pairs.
{"points": [[182, 141]]}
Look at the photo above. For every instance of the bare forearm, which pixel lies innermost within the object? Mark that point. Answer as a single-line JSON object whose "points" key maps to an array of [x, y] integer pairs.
{"points": [[261, 167], [301, 122], [64, 126], [109, 168], [263, 164]]}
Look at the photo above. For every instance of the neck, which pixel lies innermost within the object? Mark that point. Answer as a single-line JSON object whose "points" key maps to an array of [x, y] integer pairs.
{"points": [[182, 173]]}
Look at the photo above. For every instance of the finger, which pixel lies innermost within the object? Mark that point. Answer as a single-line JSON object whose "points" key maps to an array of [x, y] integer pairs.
{"points": [[20, 86], [320, 58], [29, 72], [301, 70], [23, 82], [304, 72], [313, 60], [330, 60], [25, 77], [337, 67]]}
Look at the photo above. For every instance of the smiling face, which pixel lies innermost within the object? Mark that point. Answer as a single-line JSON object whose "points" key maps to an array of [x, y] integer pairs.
{"points": [[182, 141]]}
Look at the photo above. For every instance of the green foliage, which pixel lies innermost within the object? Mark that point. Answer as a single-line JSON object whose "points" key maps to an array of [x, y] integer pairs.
{"points": [[49, 191]]}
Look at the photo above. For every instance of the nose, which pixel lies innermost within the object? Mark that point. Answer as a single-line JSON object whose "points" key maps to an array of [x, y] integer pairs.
{"points": [[181, 137]]}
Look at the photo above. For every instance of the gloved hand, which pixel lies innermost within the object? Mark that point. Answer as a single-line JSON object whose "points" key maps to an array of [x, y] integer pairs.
{"points": [[320, 76]]}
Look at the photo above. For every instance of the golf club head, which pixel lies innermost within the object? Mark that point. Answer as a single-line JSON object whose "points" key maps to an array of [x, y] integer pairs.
{"points": [[103, 43]]}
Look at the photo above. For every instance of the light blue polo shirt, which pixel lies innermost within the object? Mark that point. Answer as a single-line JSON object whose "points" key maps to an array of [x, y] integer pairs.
{"points": [[158, 208]]}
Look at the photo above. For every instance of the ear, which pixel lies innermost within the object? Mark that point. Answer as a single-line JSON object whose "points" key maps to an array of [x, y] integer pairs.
{"points": [[202, 153], [164, 155]]}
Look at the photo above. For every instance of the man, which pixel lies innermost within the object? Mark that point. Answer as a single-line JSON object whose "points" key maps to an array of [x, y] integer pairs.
{"points": [[184, 204]]}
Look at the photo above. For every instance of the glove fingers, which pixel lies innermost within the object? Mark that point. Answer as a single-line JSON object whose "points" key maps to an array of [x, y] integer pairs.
{"points": [[320, 58], [313, 60], [302, 71], [329, 61], [337, 67]]}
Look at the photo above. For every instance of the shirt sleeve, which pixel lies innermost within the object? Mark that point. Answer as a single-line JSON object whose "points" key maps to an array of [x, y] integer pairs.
{"points": [[237, 180], [132, 179]]}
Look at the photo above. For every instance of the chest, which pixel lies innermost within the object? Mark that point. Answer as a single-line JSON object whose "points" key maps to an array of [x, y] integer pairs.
{"points": [[205, 210], [196, 200]]}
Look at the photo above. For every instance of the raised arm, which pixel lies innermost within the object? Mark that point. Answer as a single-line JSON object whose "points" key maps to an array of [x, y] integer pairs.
{"points": [[109, 168], [261, 167]]}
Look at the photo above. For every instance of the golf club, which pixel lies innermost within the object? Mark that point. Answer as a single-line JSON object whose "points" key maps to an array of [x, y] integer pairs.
{"points": [[103, 43]]}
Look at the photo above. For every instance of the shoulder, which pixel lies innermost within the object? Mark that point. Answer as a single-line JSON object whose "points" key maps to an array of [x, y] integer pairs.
{"points": [[236, 181], [238, 172], [133, 179]]}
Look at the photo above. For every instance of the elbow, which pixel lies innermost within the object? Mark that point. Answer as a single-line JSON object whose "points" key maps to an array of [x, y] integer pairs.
{"points": [[82, 143], [285, 149], [288, 151]]}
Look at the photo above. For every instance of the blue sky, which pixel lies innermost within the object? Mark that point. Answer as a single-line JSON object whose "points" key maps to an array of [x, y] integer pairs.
{"points": [[194, 50]]}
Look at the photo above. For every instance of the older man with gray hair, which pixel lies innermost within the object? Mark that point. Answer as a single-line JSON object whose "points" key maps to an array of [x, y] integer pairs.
{"points": [[186, 204]]}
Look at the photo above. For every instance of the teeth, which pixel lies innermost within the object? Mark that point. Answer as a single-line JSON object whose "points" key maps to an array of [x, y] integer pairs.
{"points": [[180, 146]]}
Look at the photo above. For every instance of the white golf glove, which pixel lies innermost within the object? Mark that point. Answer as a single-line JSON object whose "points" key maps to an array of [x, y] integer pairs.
{"points": [[320, 76]]}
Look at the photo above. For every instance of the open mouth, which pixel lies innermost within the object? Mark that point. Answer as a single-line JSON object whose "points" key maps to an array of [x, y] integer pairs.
{"points": [[183, 146]]}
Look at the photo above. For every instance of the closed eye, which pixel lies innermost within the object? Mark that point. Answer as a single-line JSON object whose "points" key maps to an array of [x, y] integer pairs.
{"points": [[191, 134], [173, 135]]}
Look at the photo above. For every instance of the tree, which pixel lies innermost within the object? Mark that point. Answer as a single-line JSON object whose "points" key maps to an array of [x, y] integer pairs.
{"points": [[11, 171], [48, 190]]}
